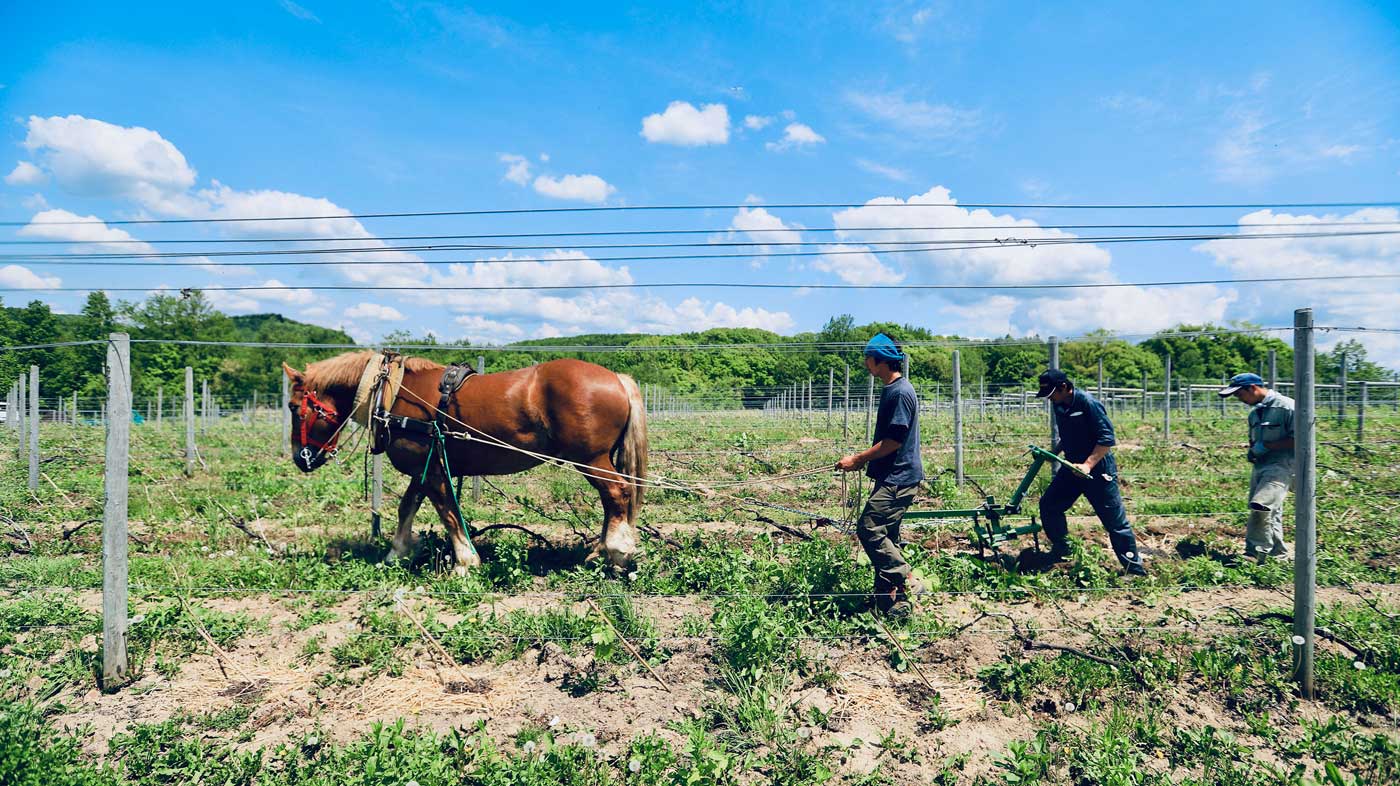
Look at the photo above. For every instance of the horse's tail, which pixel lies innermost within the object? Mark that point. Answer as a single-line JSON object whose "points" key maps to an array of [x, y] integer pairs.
{"points": [[630, 455]]}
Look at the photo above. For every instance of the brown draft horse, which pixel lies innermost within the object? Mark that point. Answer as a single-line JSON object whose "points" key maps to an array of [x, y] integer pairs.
{"points": [[567, 409]]}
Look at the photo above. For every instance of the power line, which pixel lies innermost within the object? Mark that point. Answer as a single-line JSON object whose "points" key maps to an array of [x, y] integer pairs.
{"points": [[669, 208], [715, 285], [910, 247], [717, 231], [106, 260]]}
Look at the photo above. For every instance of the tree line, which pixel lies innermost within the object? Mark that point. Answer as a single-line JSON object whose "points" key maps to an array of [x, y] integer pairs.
{"points": [[1200, 353]]}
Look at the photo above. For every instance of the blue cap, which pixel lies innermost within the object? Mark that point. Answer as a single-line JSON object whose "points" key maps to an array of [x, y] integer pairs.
{"points": [[883, 347], [1240, 381]]}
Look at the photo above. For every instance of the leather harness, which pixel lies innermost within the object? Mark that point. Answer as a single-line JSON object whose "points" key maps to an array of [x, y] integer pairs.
{"points": [[452, 379]]}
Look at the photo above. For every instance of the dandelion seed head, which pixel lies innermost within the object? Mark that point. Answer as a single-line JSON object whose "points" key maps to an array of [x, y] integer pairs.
{"points": [[1298, 640], [634, 766]]}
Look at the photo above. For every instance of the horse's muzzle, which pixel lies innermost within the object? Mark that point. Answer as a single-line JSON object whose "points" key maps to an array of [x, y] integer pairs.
{"points": [[308, 460]]}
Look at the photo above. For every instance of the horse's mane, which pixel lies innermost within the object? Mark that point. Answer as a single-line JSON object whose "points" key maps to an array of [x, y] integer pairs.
{"points": [[345, 370]]}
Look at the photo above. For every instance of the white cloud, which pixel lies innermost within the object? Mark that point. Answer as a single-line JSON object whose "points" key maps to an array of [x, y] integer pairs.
{"points": [[888, 219], [883, 171], [596, 310], [480, 330], [518, 168], [64, 225], [1353, 303], [26, 174], [796, 135], [93, 158], [246, 301], [299, 12], [580, 188], [760, 226], [915, 117], [1240, 155], [757, 122], [23, 278], [375, 311], [854, 267], [683, 124], [1344, 152]]}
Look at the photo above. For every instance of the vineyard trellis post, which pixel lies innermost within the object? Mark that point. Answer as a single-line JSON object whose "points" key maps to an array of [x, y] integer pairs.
{"points": [[1049, 407], [160, 405], [1342, 389], [204, 414], [1143, 405], [1100, 391], [376, 482], [869, 409], [33, 428], [22, 398], [1304, 500], [476, 479], [957, 419], [114, 533], [846, 409], [1223, 382], [1273, 369], [1361, 414], [10, 421], [286, 417], [1188, 391], [830, 395], [1167, 401], [189, 422]]}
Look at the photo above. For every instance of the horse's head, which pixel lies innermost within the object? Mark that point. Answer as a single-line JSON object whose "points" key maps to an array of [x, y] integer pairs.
{"points": [[317, 420]]}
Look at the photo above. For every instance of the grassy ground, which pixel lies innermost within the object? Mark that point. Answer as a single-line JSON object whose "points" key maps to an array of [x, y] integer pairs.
{"points": [[270, 644]]}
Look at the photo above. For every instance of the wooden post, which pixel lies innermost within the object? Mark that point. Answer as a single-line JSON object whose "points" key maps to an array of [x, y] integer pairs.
{"points": [[1143, 405], [189, 422], [830, 394], [33, 428], [286, 417], [114, 536], [1304, 500], [160, 405]]}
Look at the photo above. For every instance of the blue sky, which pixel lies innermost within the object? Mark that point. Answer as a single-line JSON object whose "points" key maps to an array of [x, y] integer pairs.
{"points": [[119, 111]]}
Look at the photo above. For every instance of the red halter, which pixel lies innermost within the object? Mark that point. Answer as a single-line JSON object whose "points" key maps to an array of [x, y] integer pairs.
{"points": [[312, 409]]}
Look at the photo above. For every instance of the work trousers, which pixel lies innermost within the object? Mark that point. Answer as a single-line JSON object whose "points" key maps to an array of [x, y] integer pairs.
{"points": [[878, 531], [1268, 490], [1102, 492]]}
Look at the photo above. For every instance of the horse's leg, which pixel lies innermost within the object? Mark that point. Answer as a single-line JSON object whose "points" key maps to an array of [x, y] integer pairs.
{"points": [[439, 491], [618, 541], [403, 536]]}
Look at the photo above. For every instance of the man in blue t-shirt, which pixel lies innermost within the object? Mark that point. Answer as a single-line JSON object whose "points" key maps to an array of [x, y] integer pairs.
{"points": [[893, 462], [1086, 438]]}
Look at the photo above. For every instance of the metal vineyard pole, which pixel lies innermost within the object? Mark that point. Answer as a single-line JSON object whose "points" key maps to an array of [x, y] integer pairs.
{"points": [[33, 428], [1273, 369], [1167, 402], [1143, 404], [1361, 416], [114, 535], [204, 407], [20, 410], [846, 409], [476, 479], [189, 422], [1050, 408], [1223, 382], [957, 419], [830, 394], [286, 416], [869, 409], [160, 405], [1342, 389], [1304, 500]]}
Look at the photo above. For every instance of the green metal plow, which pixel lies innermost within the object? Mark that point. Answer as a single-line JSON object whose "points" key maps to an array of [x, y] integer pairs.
{"points": [[989, 528]]}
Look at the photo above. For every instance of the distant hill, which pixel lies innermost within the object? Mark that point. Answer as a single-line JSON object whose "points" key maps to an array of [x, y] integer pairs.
{"points": [[263, 327]]}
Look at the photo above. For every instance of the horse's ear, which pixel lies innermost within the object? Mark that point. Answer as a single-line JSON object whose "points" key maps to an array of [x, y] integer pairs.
{"points": [[292, 374]]}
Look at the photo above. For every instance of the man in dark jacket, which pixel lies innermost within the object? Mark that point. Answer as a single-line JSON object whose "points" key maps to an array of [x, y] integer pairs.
{"points": [[1086, 438], [893, 462]]}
